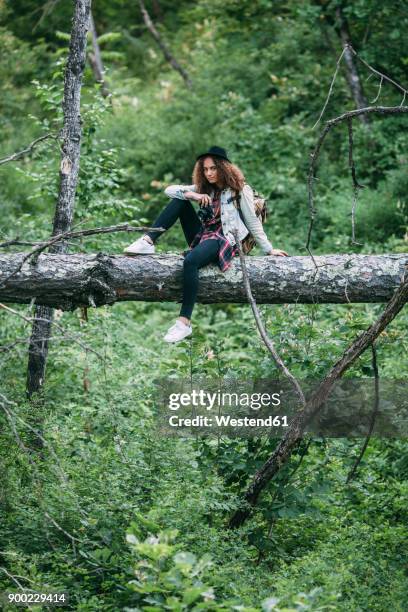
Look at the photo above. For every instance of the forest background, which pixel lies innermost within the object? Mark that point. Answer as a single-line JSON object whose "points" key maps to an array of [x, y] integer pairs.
{"points": [[105, 509]]}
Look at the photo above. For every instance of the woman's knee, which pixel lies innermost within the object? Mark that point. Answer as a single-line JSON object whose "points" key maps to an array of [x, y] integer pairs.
{"points": [[179, 202]]}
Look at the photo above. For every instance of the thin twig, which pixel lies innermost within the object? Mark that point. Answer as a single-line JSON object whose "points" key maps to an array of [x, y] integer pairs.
{"points": [[331, 88], [17, 242], [27, 150], [379, 91], [377, 72], [353, 470], [5, 348], [15, 417], [54, 522], [13, 578], [261, 328], [18, 583], [57, 325], [356, 185], [381, 110], [13, 427], [95, 60], [348, 47], [46, 10]]}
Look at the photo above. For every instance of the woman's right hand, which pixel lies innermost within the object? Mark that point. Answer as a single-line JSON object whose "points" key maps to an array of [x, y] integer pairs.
{"points": [[203, 198]]}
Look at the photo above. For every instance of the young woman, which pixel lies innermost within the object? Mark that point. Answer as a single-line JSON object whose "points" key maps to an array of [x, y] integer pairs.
{"points": [[208, 233]]}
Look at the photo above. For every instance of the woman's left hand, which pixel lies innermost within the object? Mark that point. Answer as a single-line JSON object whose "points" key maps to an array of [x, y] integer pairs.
{"points": [[278, 252]]}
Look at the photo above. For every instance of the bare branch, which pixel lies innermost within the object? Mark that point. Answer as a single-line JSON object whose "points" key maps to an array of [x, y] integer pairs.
{"points": [[330, 88], [166, 51], [347, 51], [46, 10], [58, 326], [294, 434], [356, 185], [381, 110], [353, 470], [108, 229], [14, 579], [261, 328], [27, 150], [17, 242], [378, 73], [69, 536], [10, 418], [379, 91], [352, 167]]}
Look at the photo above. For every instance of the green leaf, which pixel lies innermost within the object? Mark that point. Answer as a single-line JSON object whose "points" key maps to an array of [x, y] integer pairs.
{"points": [[185, 558]]}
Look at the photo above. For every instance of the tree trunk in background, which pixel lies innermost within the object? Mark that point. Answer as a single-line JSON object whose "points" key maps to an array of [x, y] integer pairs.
{"points": [[166, 51], [157, 10], [95, 60], [71, 134], [352, 75]]}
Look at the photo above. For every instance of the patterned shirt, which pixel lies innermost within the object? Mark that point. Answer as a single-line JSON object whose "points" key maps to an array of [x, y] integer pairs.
{"points": [[212, 229]]}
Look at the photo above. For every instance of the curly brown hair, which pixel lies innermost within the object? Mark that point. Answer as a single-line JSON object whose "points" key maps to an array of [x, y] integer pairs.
{"points": [[229, 175]]}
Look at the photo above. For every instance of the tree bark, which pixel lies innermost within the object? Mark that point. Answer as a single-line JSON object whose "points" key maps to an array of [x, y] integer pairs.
{"points": [[352, 76], [285, 448], [71, 134], [68, 281]]}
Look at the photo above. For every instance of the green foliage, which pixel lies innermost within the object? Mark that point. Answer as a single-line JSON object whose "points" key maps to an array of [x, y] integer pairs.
{"points": [[261, 71], [167, 578]]}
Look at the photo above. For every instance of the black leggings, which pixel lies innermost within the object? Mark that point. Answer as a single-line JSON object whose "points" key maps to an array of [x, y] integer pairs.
{"points": [[201, 255]]}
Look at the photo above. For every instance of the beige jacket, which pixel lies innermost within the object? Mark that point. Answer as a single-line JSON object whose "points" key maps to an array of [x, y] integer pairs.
{"points": [[230, 217]]}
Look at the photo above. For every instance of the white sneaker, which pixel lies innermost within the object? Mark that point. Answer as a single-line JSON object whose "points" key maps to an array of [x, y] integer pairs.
{"points": [[178, 332], [140, 247]]}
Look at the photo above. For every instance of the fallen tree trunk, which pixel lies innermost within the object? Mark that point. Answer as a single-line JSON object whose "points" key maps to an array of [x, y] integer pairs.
{"points": [[68, 281]]}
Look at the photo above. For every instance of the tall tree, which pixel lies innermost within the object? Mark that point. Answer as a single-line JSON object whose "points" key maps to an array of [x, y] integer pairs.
{"points": [[163, 46], [71, 142], [352, 76], [95, 59], [157, 10]]}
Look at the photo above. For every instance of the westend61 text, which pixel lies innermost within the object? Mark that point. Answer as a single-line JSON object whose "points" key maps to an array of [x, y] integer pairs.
{"points": [[228, 421], [255, 401]]}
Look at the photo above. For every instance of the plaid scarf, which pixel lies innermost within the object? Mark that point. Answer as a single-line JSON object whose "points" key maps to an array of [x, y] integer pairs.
{"points": [[212, 230]]}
